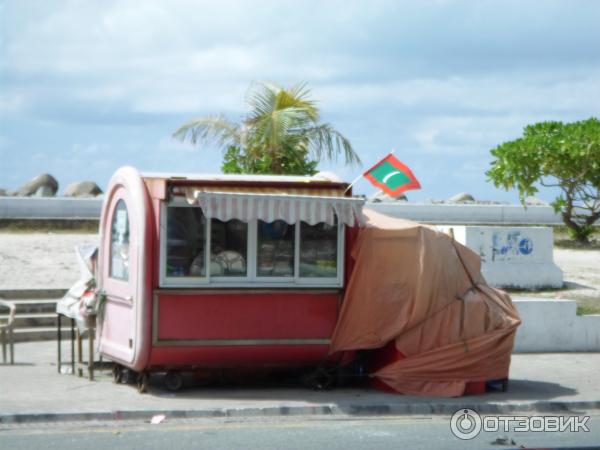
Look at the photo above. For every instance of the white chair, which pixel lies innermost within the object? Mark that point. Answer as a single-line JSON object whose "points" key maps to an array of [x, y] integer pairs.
{"points": [[6, 332]]}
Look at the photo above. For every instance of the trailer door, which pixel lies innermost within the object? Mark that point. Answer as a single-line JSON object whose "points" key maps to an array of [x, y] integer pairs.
{"points": [[120, 278]]}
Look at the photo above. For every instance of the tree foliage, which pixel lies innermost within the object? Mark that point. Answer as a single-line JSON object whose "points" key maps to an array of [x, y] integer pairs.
{"points": [[281, 134], [555, 154]]}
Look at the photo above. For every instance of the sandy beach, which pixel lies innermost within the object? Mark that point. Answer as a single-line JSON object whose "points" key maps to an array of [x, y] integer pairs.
{"points": [[40, 260]]}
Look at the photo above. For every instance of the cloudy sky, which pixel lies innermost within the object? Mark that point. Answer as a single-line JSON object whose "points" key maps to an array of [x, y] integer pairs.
{"points": [[88, 86]]}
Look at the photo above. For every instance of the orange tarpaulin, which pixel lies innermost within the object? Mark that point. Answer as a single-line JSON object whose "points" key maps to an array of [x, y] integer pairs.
{"points": [[418, 287]]}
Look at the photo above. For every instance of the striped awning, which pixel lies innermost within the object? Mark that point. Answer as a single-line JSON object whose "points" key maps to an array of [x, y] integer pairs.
{"points": [[246, 207]]}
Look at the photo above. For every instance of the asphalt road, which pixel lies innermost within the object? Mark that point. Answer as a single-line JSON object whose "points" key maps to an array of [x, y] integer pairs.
{"points": [[281, 433]]}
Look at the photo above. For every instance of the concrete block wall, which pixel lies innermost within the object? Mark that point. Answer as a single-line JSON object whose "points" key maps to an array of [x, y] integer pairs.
{"points": [[515, 257], [552, 325], [50, 208], [469, 213], [89, 208]]}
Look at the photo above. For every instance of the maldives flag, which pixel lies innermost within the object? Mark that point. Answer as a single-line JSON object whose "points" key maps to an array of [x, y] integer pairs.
{"points": [[391, 176]]}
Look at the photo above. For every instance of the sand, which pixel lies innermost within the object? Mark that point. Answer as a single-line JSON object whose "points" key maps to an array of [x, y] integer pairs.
{"points": [[40, 260]]}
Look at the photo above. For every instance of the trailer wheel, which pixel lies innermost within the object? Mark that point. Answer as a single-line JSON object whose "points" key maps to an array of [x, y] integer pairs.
{"points": [[117, 373], [173, 381], [142, 382], [320, 379]]}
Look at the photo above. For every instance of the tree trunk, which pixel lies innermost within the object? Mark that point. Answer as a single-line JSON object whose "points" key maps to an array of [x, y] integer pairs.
{"points": [[578, 232]]}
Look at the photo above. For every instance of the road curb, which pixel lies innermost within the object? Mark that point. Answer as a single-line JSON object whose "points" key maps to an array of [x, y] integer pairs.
{"points": [[310, 410]]}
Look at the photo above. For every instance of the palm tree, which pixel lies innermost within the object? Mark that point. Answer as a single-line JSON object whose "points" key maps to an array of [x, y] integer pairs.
{"points": [[280, 135]]}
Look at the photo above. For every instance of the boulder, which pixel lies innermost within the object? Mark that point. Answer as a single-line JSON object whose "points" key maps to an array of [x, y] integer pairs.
{"points": [[3, 192], [30, 188], [83, 189], [463, 197], [44, 191], [490, 202], [381, 196], [534, 201]]}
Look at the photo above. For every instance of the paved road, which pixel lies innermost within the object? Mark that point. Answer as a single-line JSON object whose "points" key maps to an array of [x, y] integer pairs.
{"points": [[279, 433]]}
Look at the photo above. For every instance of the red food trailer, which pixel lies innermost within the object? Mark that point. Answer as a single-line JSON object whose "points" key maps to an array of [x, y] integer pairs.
{"points": [[221, 271]]}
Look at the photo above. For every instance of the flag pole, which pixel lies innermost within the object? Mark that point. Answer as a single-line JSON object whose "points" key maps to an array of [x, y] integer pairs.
{"points": [[353, 182], [362, 174]]}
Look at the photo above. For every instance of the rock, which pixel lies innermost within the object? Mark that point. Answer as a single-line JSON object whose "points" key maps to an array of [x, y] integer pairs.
{"points": [[83, 189], [3, 192], [490, 202], [380, 196], [44, 191], [463, 197], [534, 201], [31, 187]]}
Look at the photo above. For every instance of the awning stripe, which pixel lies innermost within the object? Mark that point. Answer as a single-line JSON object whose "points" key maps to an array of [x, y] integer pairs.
{"points": [[270, 207]]}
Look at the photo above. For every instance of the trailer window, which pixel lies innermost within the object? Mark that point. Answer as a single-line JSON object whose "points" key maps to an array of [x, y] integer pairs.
{"points": [[186, 236], [318, 250], [228, 248], [197, 251], [275, 249], [119, 243]]}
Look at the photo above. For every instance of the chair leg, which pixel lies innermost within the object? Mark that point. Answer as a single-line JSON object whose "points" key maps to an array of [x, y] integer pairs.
{"points": [[11, 341], [3, 339]]}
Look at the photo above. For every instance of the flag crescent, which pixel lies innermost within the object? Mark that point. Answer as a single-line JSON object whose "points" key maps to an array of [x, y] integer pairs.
{"points": [[390, 175]]}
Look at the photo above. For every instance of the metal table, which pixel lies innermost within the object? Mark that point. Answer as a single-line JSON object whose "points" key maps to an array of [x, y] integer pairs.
{"points": [[76, 342]]}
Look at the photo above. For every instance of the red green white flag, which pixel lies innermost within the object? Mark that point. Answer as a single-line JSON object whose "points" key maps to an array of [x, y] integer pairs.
{"points": [[391, 176]]}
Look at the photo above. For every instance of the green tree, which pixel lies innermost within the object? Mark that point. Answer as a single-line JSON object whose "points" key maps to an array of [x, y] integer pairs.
{"points": [[281, 134], [559, 155]]}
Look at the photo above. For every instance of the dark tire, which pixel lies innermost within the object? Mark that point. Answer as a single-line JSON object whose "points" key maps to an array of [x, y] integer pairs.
{"points": [[173, 381], [319, 380], [117, 373], [142, 382]]}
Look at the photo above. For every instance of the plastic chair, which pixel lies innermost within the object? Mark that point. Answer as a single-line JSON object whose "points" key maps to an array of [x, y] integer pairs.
{"points": [[6, 332]]}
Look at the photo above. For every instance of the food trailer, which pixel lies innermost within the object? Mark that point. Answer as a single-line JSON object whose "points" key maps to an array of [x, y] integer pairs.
{"points": [[221, 271], [236, 272]]}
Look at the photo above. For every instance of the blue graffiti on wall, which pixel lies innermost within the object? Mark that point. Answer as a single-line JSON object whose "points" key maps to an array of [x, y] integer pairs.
{"points": [[510, 244]]}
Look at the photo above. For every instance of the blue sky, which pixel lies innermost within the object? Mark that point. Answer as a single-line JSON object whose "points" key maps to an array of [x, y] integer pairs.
{"points": [[86, 87]]}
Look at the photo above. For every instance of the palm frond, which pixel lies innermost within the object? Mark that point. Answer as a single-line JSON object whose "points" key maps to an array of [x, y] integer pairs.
{"points": [[262, 99], [280, 125], [265, 98], [210, 129], [297, 96], [326, 142]]}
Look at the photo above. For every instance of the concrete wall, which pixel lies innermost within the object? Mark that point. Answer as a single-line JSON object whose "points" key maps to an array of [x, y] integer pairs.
{"points": [[516, 257], [471, 213], [89, 208], [552, 325], [50, 208]]}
